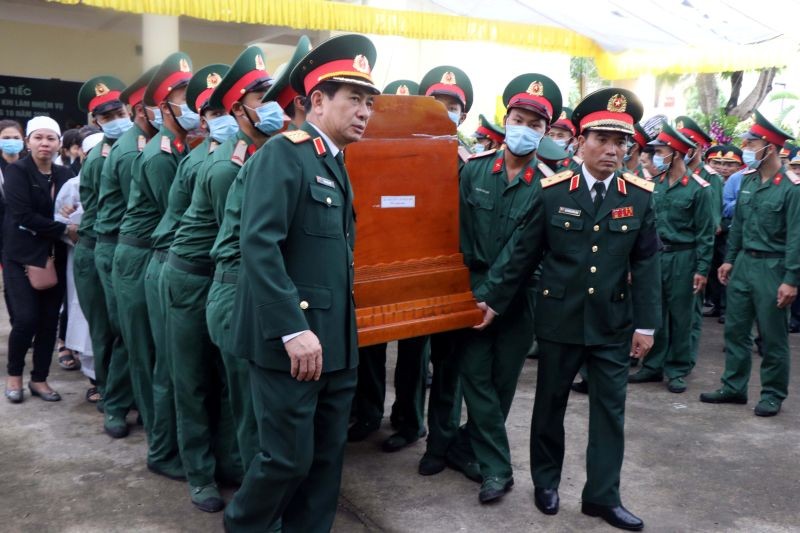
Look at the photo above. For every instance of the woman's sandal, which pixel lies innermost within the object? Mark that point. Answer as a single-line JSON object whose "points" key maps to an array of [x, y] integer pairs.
{"points": [[92, 395], [68, 361]]}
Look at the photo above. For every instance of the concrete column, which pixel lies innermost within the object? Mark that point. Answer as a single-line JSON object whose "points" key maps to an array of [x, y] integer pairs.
{"points": [[160, 36]]}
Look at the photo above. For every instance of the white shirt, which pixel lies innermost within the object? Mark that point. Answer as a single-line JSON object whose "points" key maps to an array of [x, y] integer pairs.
{"points": [[334, 150], [590, 181]]}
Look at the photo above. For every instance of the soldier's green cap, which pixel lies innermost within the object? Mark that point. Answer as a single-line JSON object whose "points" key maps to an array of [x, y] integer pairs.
{"points": [[174, 72], [341, 59], [725, 152], [549, 150], [564, 121], [676, 140], [534, 92], [692, 130], [763, 129], [202, 84], [448, 81], [100, 94], [281, 90], [487, 129], [609, 109], [640, 136], [134, 93], [247, 74], [789, 150], [402, 88]]}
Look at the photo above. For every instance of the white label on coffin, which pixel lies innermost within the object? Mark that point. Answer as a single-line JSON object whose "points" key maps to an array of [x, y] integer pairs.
{"points": [[394, 202]]}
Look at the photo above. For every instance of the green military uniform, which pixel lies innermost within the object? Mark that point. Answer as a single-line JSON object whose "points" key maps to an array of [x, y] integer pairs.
{"points": [[764, 249], [568, 161], [489, 131], [493, 205], [686, 227], [153, 171], [586, 310], [299, 217], [115, 179], [99, 95]]}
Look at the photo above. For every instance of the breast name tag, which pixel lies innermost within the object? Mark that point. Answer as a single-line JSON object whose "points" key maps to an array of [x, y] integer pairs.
{"points": [[569, 211]]}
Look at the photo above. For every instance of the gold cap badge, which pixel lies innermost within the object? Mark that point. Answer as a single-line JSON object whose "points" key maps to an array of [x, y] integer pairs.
{"points": [[563, 115], [100, 89], [212, 80], [361, 64], [679, 125], [402, 90], [617, 103], [449, 78], [535, 89], [184, 65], [260, 62]]}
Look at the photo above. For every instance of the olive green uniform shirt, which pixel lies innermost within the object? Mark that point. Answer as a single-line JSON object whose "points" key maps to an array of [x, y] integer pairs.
{"points": [[89, 188]]}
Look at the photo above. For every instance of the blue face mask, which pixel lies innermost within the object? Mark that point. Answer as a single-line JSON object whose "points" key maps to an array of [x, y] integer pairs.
{"points": [[687, 158], [222, 128], [660, 162], [270, 117], [522, 140], [11, 146], [158, 121], [115, 128], [189, 120], [626, 158], [562, 143], [455, 117], [749, 158]]}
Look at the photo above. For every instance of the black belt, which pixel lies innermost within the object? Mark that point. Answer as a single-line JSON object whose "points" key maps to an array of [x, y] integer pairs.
{"points": [[764, 255], [160, 255], [677, 247], [107, 239], [190, 267], [136, 242], [88, 242], [226, 277]]}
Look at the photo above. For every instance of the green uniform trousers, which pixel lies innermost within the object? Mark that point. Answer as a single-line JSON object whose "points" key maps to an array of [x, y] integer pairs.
{"points": [[120, 393], [671, 354], [491, 361], [697, 325], [408, 417], [752, 292], [608, 371], [219, 310], [206, 432], [163, 445], [302, 428]]}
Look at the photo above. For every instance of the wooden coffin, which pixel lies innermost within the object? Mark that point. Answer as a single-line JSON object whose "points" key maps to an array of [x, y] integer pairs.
{"points": [[410, 279]]}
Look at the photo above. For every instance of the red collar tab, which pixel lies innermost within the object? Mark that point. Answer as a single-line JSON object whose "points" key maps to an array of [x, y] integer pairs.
{"points": [[621, 187], [574, 182], [685, 181], [498, 165], [178, 144], [528, 176], [319, 146], [777, 178], [251, 149]]}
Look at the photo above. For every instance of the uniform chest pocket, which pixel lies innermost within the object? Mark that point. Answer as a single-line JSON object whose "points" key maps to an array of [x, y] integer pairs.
{"points": [[481, 201], [773, 214], [622, 234], [566, 231], [324, 215]]}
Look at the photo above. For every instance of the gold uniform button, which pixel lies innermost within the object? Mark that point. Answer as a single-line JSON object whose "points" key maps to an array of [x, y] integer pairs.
{"points": [[328, 200], [593, 269], [595, 248], [596, 227], [566, 224], [591, 290], [304, 305], [624, 227], [546, 292], [622, 296]]}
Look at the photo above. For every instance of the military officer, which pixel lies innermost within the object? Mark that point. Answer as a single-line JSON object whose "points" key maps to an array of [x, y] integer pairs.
{"points": [[408, 417], [488, 136], [291, 102], [115, 180], [206, 430], [153, 170], [761, 271], [631, 162], [100, 96], [227, 257], [496, 192], [592, 228], [452, 87], [682, 203], [294, 320]]}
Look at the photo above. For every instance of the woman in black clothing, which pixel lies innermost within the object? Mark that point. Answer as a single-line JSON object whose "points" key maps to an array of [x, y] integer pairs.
{"points": [[30, 237], [11, 147]]}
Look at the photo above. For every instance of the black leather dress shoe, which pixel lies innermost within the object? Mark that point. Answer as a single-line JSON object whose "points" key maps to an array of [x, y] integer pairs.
{"points": [[616, 516], [581, 386], [431, 464], [546, 500], [361, 430], [398, 441]]}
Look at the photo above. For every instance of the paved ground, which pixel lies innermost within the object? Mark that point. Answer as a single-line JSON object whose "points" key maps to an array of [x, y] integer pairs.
{"points": [[689, 467]]}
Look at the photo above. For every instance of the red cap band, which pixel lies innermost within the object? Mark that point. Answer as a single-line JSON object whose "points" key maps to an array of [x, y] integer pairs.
{"points": [[239, 88], [169, 83], [768, 135], [137, 96], [100, 100], [693, 135], [528, 100], [286, 96], [606, 118], [448, 88], [334, 69], [565, 124], [202, 98], [486, 132], [672, 142], [639, 138]]}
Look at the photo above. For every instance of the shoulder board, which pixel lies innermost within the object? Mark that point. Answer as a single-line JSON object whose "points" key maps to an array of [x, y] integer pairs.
{"points": [[709, 169], [794, 178], [544, 169], [647, 174], [166, 146], [106, 150], [483, 154], [556, 178], [639, 182], [701, 181], [577, 159], [750, 171], [141, 142], [296, 136], [213, 145], [239, 153], [463, 153]]}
